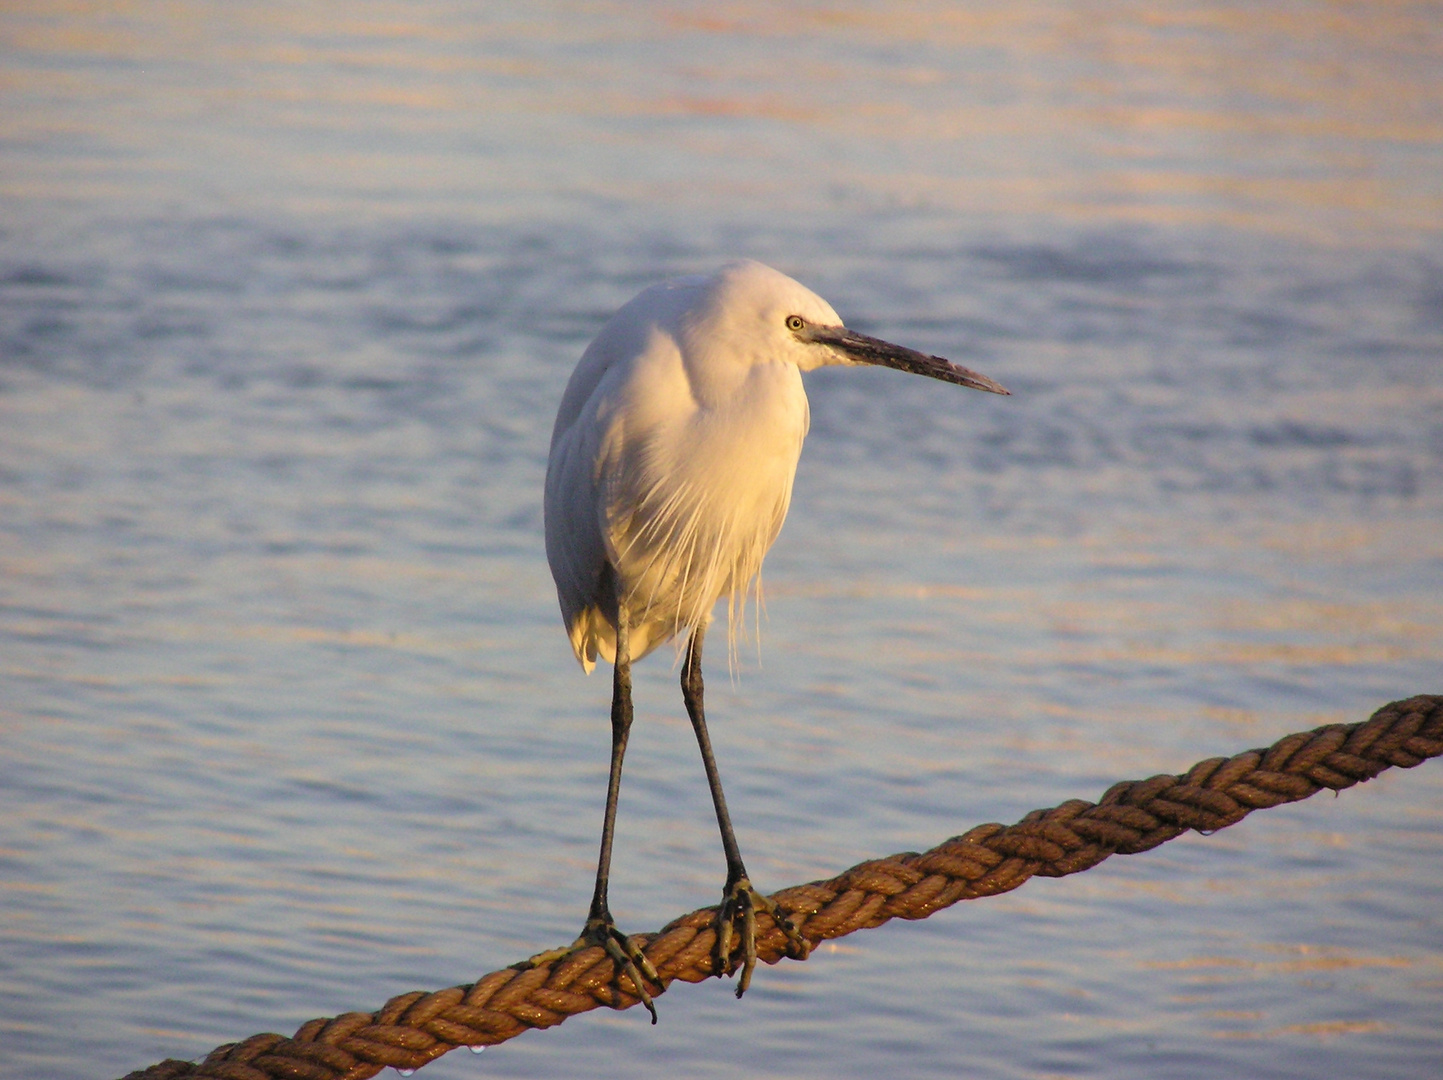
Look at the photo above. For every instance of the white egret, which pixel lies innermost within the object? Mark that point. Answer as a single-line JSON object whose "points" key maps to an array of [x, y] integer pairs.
{"points": [[670, 473]]}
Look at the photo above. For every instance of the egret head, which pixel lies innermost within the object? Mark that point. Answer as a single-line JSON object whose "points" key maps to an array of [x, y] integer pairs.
{"points": [[748, 312], [763, 315]]}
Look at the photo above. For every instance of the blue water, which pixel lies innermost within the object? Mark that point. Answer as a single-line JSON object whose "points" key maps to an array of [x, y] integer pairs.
{"points": [[289, 724]]}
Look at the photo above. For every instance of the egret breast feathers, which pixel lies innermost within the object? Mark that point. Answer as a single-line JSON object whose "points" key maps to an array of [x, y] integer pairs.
{"points": [[671, 466]]}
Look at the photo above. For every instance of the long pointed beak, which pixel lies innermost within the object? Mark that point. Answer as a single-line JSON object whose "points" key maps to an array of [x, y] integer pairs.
{"points": [[861, 349]]}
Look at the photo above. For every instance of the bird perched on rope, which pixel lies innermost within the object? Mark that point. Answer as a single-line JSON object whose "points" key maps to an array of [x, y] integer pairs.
{"points": [[670, 474]]}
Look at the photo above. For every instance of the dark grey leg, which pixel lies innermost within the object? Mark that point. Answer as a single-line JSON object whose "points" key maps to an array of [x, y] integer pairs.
{"points": [[692, 693], [600, 927], [740, 900], [621, 714]]}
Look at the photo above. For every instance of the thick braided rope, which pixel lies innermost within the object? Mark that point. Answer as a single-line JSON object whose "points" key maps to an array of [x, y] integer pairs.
{"points": [[416, 1028]]}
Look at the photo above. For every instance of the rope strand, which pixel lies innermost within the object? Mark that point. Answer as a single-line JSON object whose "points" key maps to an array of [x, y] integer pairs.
{"points": [[1134, 816]]}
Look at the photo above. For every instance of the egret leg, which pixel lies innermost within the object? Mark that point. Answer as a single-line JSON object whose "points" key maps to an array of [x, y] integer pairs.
{"points": [[600, 927], [740, 901]]}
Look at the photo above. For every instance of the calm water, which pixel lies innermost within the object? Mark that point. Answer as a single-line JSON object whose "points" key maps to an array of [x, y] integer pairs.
{"points": [[288, 295]]}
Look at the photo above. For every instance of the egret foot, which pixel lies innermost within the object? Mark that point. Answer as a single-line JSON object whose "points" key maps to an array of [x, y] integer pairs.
{"points": [[740, 904], [627, 956]]}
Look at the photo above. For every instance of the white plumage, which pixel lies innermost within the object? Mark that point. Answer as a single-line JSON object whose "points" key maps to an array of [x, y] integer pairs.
{"points": [[670, 475], [673, 453]]}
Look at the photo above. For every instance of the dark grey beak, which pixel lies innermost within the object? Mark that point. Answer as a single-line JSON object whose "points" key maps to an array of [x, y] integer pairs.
{"points": [[869, 350]]}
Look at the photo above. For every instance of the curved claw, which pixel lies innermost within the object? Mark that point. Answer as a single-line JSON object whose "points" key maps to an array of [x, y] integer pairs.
{"points": [[627, 956], [741, 902], [628, 959]]}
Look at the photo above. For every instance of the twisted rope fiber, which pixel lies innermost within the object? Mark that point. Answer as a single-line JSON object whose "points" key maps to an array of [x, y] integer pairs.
{"points": [[1133, 816]]}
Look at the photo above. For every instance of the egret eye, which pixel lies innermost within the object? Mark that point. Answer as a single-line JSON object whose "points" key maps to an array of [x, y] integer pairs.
{"points": [[795, 323]]}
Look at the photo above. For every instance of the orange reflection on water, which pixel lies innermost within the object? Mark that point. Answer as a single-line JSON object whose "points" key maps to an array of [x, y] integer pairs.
{"points": [[1316, 119]]}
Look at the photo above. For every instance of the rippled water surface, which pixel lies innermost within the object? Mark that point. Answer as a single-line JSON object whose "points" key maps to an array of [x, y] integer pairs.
{"points": [[289, 725]]}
